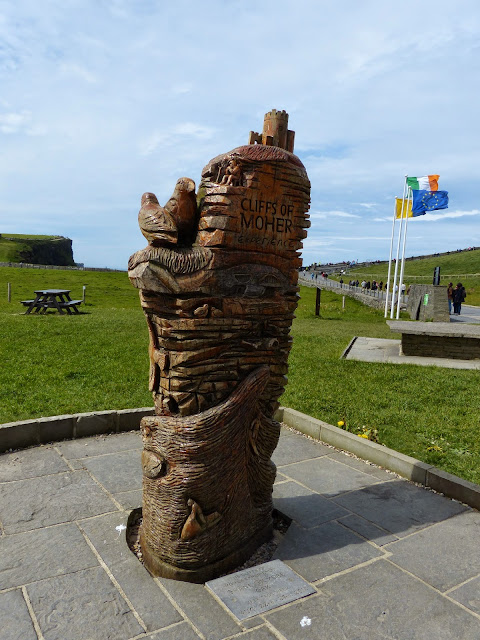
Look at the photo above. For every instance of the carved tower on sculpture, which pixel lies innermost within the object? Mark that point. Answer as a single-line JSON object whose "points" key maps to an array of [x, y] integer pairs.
{"points": [[218, 286]]}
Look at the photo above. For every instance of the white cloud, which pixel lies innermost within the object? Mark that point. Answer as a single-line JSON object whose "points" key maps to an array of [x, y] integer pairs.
{"points": [[179, 89], [77, 71], [333, 214], [21, 122], [133, 95], [13, 122], [179, 134], [444, 214]]}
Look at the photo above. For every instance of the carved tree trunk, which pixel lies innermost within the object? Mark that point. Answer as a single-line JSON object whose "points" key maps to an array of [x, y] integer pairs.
{"points": [[219, 315]]}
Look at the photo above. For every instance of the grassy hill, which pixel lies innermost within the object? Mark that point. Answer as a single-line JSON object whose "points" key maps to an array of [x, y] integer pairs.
{"points": [[36, 249], [461, 266]]}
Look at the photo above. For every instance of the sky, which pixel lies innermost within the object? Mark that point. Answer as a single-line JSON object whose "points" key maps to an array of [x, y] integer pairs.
{"points": [[102, 100]]}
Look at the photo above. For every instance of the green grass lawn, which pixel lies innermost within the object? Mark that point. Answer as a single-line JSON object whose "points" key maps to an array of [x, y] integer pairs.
{"points": [[98, 360], [53, 364]]}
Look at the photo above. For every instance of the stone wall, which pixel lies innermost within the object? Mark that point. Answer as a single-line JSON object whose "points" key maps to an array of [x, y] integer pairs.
{"points": [[370, 300], [428, 302], [28, 433], [440, 347]]}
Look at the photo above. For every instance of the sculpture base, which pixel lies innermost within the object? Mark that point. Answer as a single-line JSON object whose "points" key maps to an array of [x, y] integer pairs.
{"points": [[161, 569]]}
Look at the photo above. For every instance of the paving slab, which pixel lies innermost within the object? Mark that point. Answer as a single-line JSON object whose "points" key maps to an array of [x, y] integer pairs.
{"points": [[107, 534], [35, 555], [129, 499], [39, 502], [31, 463], [376, 602], [328, 477], [16, 622], [205, 613], [290, 449], [100, 445], [367, 530], [117, 472], [323, 551], [263, 633], [443, 555], [361, 465], [82, 606], [378, 548], [399, 506], [468, 595], [182, 631], [307, 508]]}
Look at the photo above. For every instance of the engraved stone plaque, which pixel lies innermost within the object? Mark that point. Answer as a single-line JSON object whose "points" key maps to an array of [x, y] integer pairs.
{"points": [[252, 591]]}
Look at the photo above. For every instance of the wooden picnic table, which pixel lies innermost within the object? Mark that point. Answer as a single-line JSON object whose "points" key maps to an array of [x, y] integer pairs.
{"points": [[58, 299]]}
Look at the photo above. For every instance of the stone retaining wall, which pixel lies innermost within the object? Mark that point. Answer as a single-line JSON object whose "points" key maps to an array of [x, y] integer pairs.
{"points": [[27, 433], [345, 290], [407, 467], [428, 302], [440, 347]]}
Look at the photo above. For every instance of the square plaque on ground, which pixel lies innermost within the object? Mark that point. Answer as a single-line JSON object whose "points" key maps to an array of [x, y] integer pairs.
{"points": [[252, 591]]}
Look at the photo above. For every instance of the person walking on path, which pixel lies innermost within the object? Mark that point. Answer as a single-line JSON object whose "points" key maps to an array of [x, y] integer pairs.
{"points": [[459, 295], [450, 297]]}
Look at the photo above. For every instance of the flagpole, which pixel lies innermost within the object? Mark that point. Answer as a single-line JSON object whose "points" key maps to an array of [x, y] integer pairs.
{"points": [[402, 268], [392, 307], [391, 253]]}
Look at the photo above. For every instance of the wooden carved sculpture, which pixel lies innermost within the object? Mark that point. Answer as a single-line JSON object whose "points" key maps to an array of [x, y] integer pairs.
{"points": [[218, 285]]}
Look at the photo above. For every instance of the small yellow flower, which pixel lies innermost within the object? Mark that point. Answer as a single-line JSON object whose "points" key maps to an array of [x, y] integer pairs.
{"points": [[341, 423], [363, 435]]}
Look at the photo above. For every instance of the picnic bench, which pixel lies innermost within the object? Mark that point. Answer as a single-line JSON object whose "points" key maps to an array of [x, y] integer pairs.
{"points": [[57, 299]]}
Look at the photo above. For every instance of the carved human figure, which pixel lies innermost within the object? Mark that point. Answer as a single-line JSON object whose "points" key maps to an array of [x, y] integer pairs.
{"points": [[233, 173]]}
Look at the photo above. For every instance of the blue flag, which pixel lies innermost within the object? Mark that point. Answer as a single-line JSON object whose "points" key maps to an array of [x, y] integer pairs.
{"points": [[424, 201]]}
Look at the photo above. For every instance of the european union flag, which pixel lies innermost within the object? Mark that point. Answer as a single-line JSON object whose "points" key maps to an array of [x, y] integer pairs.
{"points": [[424, 201]]}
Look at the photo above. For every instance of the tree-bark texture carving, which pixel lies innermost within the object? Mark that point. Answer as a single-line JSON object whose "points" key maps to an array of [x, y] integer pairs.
{"points": [[218, 286]]}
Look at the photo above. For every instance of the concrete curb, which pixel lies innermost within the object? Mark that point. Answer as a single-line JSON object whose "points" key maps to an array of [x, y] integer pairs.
{"points": [[349, 348], [407, 467], [28, 433]]}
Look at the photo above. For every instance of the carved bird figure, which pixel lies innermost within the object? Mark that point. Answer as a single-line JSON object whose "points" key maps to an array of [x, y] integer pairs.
{"points": [[182, 207], [156, 224]]}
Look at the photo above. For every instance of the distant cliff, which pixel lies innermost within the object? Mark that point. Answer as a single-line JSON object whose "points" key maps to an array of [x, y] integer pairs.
{"points": [[50, 250]]}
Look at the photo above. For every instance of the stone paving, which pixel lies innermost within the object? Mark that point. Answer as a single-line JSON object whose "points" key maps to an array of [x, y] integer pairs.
{"points": [[387, 559]]}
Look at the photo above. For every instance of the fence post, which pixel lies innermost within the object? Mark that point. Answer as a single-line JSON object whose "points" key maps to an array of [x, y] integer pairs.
{"points": [[84, 287], [317, 303], [343, 303], [9, 291]]}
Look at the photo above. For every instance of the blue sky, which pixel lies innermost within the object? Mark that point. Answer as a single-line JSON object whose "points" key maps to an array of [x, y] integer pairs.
{"points": [[102, 100]]}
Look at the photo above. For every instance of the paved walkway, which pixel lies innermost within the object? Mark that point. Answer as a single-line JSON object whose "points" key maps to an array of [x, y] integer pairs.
{"points": [[469, 314], [387, 559]]}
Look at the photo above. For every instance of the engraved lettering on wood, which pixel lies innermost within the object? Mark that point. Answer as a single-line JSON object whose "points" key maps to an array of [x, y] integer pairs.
{"points": [[218, 286]]}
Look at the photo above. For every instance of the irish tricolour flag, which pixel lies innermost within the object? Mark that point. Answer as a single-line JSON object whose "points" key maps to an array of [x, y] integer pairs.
{"points": [[425, 183]]}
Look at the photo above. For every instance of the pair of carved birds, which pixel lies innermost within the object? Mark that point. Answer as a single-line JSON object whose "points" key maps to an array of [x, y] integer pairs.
{"points": [[176, 222]]}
